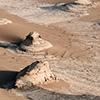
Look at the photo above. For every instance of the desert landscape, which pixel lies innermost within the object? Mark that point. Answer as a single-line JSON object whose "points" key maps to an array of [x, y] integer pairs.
{"points": [[51, 47]]}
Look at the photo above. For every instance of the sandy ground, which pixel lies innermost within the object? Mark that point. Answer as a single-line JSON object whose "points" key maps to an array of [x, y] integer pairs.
{"points": [[75, 55]]}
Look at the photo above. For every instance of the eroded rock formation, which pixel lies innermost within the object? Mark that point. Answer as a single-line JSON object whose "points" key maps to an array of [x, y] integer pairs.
{"points": [[4, 21], [83, 2], [35, 43], [34, 74]]}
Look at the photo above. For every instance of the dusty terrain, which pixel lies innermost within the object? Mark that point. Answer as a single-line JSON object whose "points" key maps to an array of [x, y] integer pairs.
{"points": [[74, 58]]}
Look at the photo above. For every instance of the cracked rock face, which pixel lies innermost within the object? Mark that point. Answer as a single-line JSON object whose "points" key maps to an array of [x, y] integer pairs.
{"points": [[83, 2], [35, 43], [34, 74]]}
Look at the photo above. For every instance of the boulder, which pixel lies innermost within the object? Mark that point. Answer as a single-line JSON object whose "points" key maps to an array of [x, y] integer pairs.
{"points": [[36, 73], [83, 2], [34, 43]]}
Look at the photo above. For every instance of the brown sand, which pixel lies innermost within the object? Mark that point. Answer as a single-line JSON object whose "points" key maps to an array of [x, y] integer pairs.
{"points": [[11, 33], [4, 95], [58, 1], [20, 28], [78, 62]]}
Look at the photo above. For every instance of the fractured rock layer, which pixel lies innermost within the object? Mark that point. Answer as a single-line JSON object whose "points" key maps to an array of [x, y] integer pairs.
{"points": [[34, 74], [34, 43]]}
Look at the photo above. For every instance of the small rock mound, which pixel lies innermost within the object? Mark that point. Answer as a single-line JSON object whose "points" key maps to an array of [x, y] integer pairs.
{"points": [[34, 74], [35, 43], [83, 2], [4, 21]]}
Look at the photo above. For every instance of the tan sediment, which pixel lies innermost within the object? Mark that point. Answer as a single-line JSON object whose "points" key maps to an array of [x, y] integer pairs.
{"points": [[76, 40]]}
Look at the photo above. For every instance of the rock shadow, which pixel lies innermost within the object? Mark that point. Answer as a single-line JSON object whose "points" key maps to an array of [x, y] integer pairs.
{"points": [[13, 41], [12, 38], [99, 24], [14, 45], [62, 7], [38, 93], [11, 46], [7, 79]]}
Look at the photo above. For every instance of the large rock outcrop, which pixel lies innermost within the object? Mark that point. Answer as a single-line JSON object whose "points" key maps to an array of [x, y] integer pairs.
{"points": [[83, 2], [34, 74], [35, 43]]}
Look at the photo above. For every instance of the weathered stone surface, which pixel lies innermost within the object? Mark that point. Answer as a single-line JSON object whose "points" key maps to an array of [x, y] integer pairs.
{"points": [[34, 74], [4, 21], [35, 43], [83, 2]]}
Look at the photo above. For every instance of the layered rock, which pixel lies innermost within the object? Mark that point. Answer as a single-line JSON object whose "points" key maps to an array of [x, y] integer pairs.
{"points": [[34, 74], [35, 43], [83, 2], [4, 21]]}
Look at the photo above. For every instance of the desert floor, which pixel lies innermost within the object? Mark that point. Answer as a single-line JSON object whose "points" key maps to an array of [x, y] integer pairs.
{"points": [[74, 57]]}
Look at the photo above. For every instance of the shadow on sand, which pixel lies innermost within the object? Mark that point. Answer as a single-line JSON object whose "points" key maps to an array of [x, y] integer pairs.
{"points": [[62, 7], [7, 79], [13, 41], [11, 45]]}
